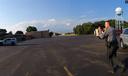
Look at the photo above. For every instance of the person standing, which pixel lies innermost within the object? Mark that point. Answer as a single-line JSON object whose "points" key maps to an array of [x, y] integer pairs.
{"points": [[111, 43], [98, 31]]}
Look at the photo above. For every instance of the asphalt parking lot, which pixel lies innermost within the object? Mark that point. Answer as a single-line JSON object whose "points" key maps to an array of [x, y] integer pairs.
{"points": [[57, 56]]}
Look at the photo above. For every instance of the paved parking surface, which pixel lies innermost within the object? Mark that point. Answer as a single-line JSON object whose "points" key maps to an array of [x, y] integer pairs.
{"points": [[58, 56]]}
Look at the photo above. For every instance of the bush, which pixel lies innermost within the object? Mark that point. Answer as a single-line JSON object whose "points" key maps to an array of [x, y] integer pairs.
{"points": [[51, 34]]}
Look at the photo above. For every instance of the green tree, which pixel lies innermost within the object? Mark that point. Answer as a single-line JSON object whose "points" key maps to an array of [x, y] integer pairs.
{"points": [[50, 34], [88, 27], [19, 33], [85, 28], [101, 23], [3, 32], [125, 24], [31, 28], [78, 29], [10, 33], [112, 22]]}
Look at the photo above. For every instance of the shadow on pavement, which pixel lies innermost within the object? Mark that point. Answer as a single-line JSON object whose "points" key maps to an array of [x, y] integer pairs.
{"points": [[27, 44], [125, 62]]}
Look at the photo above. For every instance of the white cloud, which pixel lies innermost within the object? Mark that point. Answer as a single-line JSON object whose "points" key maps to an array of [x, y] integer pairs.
{"points": [[52, 24], [52, 20], [68, 24], [40, 24]]}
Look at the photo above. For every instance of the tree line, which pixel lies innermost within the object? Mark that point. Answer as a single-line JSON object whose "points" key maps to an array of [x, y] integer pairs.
{"points": [[29, 29], [3, 32], [89, 27]]}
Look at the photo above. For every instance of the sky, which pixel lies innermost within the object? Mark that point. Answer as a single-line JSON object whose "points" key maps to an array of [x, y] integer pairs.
{"points": [[56, 15]]}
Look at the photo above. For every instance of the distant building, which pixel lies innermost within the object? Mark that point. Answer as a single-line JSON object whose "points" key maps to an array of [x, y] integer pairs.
{"points": [[37, 34]]}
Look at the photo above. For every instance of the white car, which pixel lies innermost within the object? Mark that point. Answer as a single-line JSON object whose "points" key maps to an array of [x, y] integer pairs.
{"points": [[124, 38], [8, 41]]}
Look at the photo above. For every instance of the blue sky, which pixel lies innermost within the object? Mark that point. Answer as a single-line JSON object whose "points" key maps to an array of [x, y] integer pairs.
{"points": [[56, 15]]}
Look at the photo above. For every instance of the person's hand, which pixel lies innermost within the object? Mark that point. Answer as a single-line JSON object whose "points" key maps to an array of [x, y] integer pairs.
{"points": [[99, 30]]}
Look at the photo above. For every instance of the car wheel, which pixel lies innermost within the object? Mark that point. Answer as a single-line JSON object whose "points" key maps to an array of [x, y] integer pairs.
{"points": [[122, 44], [1, 44], [13, 44]]}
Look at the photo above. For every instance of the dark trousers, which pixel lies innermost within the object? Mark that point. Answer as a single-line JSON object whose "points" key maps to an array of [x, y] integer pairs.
{"points": [[112, 48]]}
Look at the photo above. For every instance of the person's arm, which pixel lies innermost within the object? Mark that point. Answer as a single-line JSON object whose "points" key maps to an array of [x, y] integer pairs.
{"points": [[103, 35]]}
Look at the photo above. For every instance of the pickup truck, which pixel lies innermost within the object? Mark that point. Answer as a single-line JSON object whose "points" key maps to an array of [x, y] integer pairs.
{"points": [[8, 41]]}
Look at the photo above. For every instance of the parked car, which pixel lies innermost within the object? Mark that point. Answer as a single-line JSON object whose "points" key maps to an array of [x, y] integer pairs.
{"points": [[124, 38], [8, 41]]}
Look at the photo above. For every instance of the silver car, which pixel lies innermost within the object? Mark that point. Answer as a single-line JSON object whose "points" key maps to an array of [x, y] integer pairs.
{"points": [[124, 38]]}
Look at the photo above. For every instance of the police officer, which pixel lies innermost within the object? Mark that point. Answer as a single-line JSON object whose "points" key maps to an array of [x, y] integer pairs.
{"points": [[111, 43]]}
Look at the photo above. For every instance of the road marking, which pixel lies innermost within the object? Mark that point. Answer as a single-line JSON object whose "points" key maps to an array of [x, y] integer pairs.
{"points": [[28, 74], [17, 66], [67, 71]]}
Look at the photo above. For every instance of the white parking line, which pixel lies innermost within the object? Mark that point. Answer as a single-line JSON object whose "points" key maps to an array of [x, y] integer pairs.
{"points": [[67, 71], [28, 74]]}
